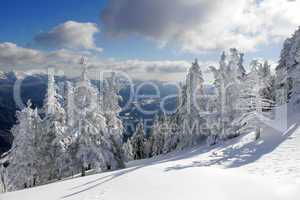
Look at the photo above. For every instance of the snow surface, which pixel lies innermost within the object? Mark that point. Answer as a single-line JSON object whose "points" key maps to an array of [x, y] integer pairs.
{"points": [[242, 168]]}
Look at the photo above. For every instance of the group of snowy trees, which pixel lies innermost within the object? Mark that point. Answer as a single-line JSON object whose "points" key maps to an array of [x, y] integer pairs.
{"points": [[141, 145], [235, 107], [72, 133], [80, 129], [241, 98]]}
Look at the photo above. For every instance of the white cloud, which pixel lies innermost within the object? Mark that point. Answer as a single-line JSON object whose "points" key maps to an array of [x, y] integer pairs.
{"points": [[203, 25], [67, 61], [161, 66], [163, 70], [72, 35], [15, 57], [12, 55]]}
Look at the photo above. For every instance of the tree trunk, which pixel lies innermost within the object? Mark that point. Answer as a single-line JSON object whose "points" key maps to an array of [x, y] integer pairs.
{"points": [[34, 182], [82, 171], [257, 133]]}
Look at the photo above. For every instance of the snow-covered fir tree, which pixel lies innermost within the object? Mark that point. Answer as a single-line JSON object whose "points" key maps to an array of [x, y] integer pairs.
{"points": [[138, 141], [89, 127], [23, 169], [268, 83], [173, 137], [184, 128], [288, 72], [157, 138], [228, 79], [128, 150], [189, 116], [52, 147], [111, 109]]}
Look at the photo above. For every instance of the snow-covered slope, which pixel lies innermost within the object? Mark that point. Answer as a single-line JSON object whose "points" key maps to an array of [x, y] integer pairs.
{"points": [[155, 182], [284, 161], [266, 169]]}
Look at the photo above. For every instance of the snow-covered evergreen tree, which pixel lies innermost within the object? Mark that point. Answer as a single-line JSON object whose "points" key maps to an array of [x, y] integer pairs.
{"points": [[23, 169], [189, 116], [111, 109], [184, 128], [157, 138], [267, 90], [52, 147], [128, 150], [288, 71], [88, 127], [192, 96], [228, 79], [172, 133], [138, 141]]}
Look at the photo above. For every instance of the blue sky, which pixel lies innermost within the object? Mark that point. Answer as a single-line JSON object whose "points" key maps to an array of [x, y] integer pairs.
{"points": [[20, 21], [153, 32]]}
